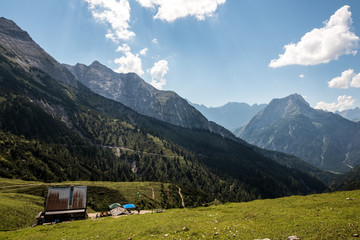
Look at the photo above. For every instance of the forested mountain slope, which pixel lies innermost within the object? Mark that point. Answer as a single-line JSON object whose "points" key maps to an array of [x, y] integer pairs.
{"points": [[51, 131]]}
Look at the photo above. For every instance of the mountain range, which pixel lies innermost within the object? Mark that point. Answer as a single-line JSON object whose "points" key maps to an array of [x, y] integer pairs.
{"points": [[323, 139], [231, 115], [351, 114], [132, 91], [54, 128]]}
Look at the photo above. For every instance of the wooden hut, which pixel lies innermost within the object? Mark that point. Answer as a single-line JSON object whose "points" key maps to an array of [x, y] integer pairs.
{"points": [[65, 204]]}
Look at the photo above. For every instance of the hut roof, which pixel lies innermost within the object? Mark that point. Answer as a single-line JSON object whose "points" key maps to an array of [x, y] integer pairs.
{"points": [[66, 198]]}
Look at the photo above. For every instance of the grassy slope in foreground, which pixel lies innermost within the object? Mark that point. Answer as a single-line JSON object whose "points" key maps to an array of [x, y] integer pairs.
{"points": [[322, 216], [18, 210], [21, 201]]}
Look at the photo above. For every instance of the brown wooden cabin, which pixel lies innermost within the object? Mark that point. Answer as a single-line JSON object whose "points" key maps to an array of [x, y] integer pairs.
{"points": [[65, 204]]}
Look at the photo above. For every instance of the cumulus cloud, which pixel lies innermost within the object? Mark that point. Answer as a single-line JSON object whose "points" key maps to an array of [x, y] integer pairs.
{"points": [[155, 41], [143, 51], [301, 76], [171, 10], [347, 79], [321, 45], [129, 62], [116, 14], [355, 82], [343, 103], [158, 72], [123, 48], [343, 81]]}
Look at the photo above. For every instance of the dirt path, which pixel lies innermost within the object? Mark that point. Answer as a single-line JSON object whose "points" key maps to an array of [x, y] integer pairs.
{"points": [[93, 215], [181, 196]]}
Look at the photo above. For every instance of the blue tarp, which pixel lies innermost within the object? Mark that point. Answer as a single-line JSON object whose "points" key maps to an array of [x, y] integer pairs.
{"points": [[127, 206]]}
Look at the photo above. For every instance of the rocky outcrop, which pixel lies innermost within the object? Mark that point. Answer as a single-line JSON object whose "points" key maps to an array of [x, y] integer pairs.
{"points": [[290, 125], [132, 91], [22, 49]]}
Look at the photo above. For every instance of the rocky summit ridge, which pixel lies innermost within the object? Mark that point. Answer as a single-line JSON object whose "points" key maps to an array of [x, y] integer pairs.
{"points": [[27, 53], [132, 91], [323, 139]]}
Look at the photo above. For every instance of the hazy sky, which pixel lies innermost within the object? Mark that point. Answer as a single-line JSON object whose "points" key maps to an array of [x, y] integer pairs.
{"points": [[209, 51]]}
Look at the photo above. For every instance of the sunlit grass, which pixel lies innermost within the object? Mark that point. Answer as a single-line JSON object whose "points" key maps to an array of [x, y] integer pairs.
{"points": [[323, 216], [18, 210]]}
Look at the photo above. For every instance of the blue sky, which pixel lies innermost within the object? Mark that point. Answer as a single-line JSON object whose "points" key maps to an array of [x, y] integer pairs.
{"points": [[210, 51]]}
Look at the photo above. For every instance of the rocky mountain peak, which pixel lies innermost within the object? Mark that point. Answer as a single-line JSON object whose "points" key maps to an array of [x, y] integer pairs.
{"points": [[293, 99], [290, 125], [28, 53], [9, 28], [132, 91], [97, 64], [297, 99], [289, 106]]}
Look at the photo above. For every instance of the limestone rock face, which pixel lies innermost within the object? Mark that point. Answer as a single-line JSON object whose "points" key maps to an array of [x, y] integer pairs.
{"points": [[21, 48], [323, 139], [132, 91]]}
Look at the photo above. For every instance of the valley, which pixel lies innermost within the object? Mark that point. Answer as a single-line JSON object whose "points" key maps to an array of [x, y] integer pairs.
{"points": [[239, 171], [53, 132]]}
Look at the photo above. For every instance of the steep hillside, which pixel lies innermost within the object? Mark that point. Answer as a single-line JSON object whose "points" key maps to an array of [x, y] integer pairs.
{"points": [[132, 91], [231, 115], [347, 181], [290, 125], [22, 49], [53, 132]]}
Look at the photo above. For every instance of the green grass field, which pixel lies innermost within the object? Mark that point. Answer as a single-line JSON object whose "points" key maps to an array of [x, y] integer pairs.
{"points": [[322, 216], [127, 189], [21, 201], [18, 210]]}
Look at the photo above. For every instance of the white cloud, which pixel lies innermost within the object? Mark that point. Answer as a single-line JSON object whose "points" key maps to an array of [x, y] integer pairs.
{"points": [[114, 13], [321, 45], [343, 103], [155, 41], [143, 51], [355, 82], [123, 48], [128, 62], [347, 79], [301, 76], [343, 81], [171, 10], [158, 72]]}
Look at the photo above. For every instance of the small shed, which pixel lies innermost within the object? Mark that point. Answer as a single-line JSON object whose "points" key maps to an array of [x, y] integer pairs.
{"points": [[65, 204]]}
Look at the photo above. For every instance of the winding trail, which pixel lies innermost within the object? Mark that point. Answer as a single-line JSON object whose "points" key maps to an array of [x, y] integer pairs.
{"points": [[182, 198]]}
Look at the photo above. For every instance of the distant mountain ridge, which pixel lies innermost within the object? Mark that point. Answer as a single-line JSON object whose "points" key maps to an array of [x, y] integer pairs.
{"points": [[351, 114], [231, 115], [323, 139], [132, 91]]}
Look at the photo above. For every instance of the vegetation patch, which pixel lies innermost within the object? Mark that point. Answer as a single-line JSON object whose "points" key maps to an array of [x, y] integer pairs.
{"points": [[322, 216], [18, 210]]}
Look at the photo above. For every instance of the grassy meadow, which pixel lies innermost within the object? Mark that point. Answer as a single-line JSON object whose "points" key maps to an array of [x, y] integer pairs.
{"points": [[322, 216], [21, 201], [18, 210]]}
